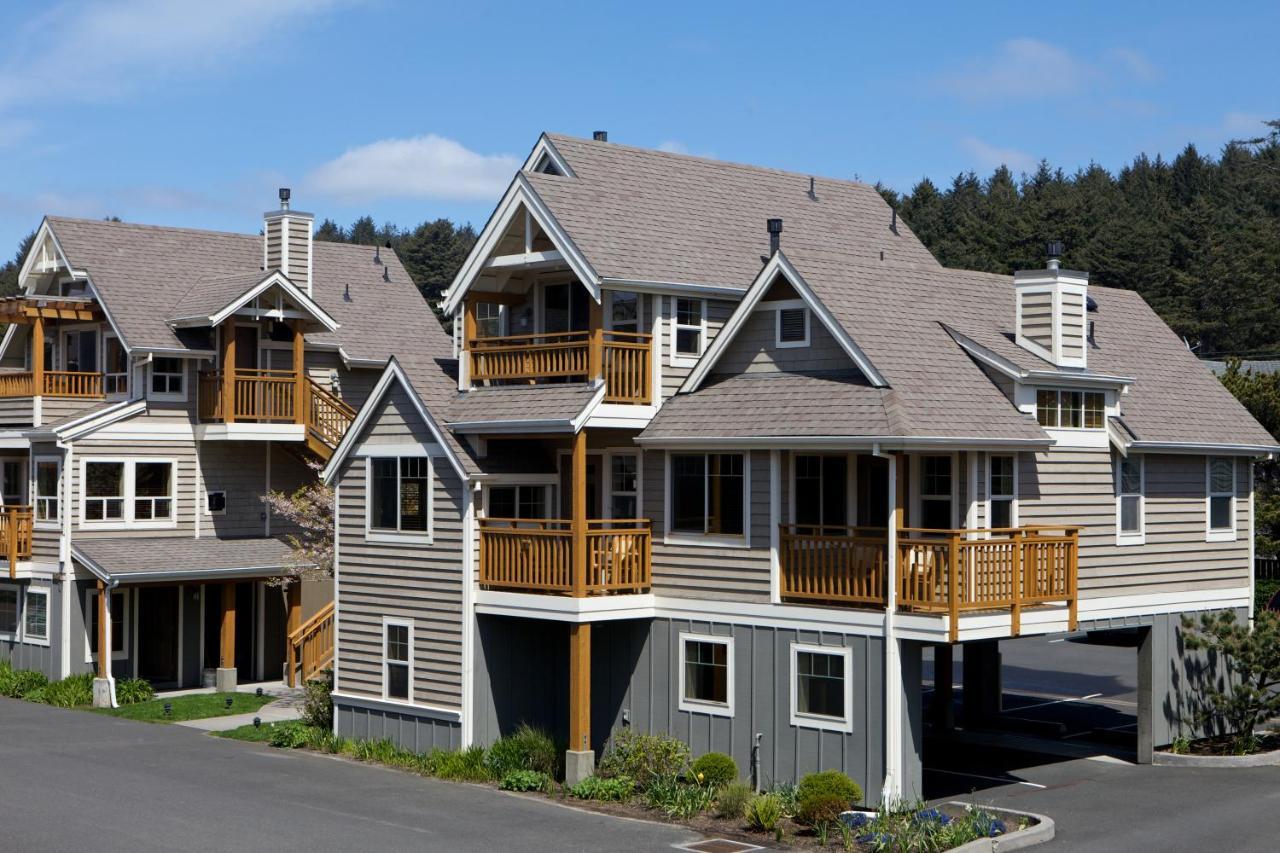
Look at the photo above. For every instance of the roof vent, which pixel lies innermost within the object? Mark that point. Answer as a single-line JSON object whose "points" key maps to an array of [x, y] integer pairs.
{"points": [[1054, 250], [813, 190], [775, 235], [600, 136]]}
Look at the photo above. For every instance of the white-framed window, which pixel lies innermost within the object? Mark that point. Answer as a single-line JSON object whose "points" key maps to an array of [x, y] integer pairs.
{"points": [[35, 616], [399, 500], [820, 492], [688, 330], [8, 612], [119, 619], [215, 502], [822, 687], [138, 493], [1002, 494], [791, 325], [708, 498], [45, 481], [115, 365], [11, 484], [1220, 498], [166, 379], [624, 311], [517, 501], [1060, 409], [624, 485], [397, 659], [706, 674], [936, 501], [488, 320], [1130, 480]]}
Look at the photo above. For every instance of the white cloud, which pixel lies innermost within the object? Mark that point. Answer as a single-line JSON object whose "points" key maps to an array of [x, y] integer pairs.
{"points": [[987, 156], [1022, 67], [421, 167], [671, 146], [1137, 64]]}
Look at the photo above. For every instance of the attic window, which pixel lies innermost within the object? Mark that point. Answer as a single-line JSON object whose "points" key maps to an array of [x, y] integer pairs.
{"points": [[547, 166], [793, 327]]}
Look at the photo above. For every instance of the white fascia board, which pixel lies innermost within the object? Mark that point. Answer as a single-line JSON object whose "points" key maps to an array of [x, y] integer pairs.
{"points": [[42, 232], [509, 427], [1195, 447], [779, 265], [525, 261], [546, 146], [673, 288], [97, 420], [1013, 371], [175, 351], [519, 193], [96, 570], [47, 229], [890, 442], [587, 410], [1119, 437], [393, 373]]}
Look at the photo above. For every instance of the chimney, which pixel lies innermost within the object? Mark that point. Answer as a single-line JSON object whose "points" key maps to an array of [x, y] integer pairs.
{"points": [[286, 242], [1050, 311], [775, 235], [600, 135]]}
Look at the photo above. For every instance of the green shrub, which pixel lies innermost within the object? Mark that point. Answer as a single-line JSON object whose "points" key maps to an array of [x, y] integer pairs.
{"points": [[821, 809], [465, 765], [317, 703], [68, 693], [525, 780], [645, 758], [677, 798], [290, 735], [732, 799], [19, 683], [715, 769], [527, 749], [131, 691], [763, 812], [819, 793], [614, 788], [789, 796]]}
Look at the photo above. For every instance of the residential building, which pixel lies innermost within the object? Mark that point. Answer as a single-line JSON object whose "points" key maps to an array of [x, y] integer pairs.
{"points": [[719, 451], [155, 385]]}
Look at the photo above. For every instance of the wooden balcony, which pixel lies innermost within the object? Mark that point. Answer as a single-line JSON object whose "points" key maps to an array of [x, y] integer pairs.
{"points": [[15, 533], [275, 396], [621, 359], [51, 383], [310, 647], [536, 555], [938, 571]]}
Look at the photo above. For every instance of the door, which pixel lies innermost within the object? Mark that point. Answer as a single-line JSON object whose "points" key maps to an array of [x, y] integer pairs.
{"points": [[594, 461], [12, 482], [246, 348], [873, 491], [158, 640], [565, 308], [821, 494], [80, 349]]}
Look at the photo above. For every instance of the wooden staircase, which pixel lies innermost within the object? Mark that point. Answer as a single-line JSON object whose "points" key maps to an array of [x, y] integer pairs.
{"points": [[328, 419], [310, 647]]}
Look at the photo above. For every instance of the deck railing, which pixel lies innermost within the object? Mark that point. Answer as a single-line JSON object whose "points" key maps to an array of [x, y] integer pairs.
{"points": [[54, 383], [623, 359], [328, 417], [15, 533], [536, 555], [310, 646], [273, 396], [938, 571]]}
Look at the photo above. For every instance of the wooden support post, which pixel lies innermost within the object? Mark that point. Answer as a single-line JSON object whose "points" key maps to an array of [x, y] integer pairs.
{"points": [[1073, 574], [943, 708], [291, 625], [953, 585], [11, 539], [37, 356], [1015, 624], [580, 687], [229, 370], [104, 630], [578, 521], [898, 518], [595, 347], [299, 375], [468, 335], [227, 646]]}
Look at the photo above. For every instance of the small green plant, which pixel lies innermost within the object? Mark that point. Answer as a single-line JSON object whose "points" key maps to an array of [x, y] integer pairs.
{"points": [[823, 796], [131, 691], [677, 798], [789, 795], [382, 751], [525, 780], [527, 748], [714, 769], [19, 683], [732, 799], [466, 765], [763, 812], [317, 702], [291, 735], [68, 693], [645, 758], [613, 788], [1181, 745]]}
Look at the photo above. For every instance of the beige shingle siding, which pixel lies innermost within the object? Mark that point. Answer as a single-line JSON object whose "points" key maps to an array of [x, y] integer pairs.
{"points": [[61, 408], [754, 349], [299, 251], [418, 582], [673, 376], [1073, 325], [275, 243], [239, 469], [16, 411], [1076, 487], [181, 451], [1037, 318]]}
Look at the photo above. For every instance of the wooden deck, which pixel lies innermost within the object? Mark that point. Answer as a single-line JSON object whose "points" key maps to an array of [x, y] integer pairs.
{"points": [[621, 359], [275, 396], [536, 555], [51, 383]]}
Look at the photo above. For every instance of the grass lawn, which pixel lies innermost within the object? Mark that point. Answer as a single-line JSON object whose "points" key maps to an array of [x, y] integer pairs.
{"points": [[255, 734], [193, 707]]}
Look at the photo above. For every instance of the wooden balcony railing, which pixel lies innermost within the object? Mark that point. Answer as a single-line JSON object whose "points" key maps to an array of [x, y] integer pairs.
{"points": [[310, 646], [328, 417], [939, 571], [536, 555], [15, 533], [274, 396], [53, 383], [622, 359]]}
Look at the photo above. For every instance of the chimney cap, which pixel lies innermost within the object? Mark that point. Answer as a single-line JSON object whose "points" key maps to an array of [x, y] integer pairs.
{"points": [[600, 135], [774, 226], [285, 194], [1053, 248]]}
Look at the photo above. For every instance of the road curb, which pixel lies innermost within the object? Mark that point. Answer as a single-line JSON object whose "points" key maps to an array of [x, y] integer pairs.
{"points": [[1261, 759], [1040, 832]]}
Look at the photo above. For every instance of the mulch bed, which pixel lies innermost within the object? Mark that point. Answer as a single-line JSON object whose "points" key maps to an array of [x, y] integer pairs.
{"points": [[1222, 745]]}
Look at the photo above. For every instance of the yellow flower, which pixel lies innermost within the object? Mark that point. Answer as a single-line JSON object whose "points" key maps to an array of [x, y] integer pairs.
{"points": [[699, 777]]}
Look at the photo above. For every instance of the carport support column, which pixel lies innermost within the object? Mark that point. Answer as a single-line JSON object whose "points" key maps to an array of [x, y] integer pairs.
{"points": [[580, 759], [104, 686], [225, 679], [942, 708], [1146, 696], [982, 684]]}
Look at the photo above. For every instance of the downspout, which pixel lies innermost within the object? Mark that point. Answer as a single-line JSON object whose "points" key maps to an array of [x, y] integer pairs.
{"points": [[891, 788], [64, 560], [470, 494]]}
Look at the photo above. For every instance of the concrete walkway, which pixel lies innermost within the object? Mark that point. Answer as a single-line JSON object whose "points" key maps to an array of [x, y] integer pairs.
{"points": [[287, 706]]}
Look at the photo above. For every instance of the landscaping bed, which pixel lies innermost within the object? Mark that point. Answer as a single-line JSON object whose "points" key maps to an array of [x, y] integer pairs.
{"points": [[74, 691], [195, 706]]}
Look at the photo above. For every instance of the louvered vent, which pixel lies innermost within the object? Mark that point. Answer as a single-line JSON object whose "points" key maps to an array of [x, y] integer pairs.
{"points": [[793, 325]]}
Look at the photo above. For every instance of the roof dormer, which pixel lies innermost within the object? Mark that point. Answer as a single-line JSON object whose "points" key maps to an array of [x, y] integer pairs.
{"points": [[1051, 307]]}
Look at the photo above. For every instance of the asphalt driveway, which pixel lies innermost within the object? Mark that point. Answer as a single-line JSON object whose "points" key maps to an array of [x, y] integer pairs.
{"points": [[71, 780]]}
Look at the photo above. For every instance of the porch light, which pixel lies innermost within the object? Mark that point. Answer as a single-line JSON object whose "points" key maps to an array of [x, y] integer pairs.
{"points": [[257, 722], [228, 703], [258, 692], [168, 708]]}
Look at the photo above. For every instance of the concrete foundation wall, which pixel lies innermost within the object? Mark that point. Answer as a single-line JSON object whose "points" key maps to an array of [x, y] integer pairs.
{"points": [[409, 728]]}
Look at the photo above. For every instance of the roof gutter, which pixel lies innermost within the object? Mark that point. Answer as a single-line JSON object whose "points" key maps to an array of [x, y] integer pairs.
{"points": [[845, 441], [1192, 447]]}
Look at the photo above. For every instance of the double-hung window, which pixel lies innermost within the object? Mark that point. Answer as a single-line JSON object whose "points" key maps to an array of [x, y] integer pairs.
{"points": [[708, 494], [115, 366], [35, 616], [488, 320], [821, 493], [935, 492], [1003, 484], [400, 496], [821, 687], [689, 330], [104, 497], [167, 375], [624, 485], [1130, 476], [1220, 486], [45, 498], [152, 491], [135, 492], [706, 674], [397, 660]]}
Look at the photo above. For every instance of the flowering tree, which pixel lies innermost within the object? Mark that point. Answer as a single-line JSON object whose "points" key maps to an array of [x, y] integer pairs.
{"points": [[309, 509]]}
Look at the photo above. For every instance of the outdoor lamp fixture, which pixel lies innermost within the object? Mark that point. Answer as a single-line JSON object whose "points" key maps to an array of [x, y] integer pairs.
{"points": [[228, 703], [258, 692], [168, 708], [257, 722]]}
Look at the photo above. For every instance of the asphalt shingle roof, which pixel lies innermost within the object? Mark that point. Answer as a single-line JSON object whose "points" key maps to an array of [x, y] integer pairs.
{"points": [[522, 403], [138, 558]]}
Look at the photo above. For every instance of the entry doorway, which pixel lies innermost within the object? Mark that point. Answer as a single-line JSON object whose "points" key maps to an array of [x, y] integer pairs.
{"points": [[246, 348], [246, 636], [159, 629], [565, 308]]}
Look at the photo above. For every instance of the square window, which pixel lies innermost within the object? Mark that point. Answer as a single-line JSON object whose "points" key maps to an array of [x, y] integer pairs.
{"points": [[821, 690], [706, 674], [215, 503]]}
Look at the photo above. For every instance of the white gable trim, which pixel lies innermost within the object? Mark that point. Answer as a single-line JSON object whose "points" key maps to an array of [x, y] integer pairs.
{"points": [[97, 420], [392, 373], [271, 279], [779, 265], [545, 146], [520, 194], [1003, 365]]}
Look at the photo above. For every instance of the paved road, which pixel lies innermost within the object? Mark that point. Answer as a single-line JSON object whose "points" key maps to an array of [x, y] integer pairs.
{"points": [[70, 780]]}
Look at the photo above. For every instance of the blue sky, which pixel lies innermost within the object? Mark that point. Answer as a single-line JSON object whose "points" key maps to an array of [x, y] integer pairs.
{"points": [[193, 113]]}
